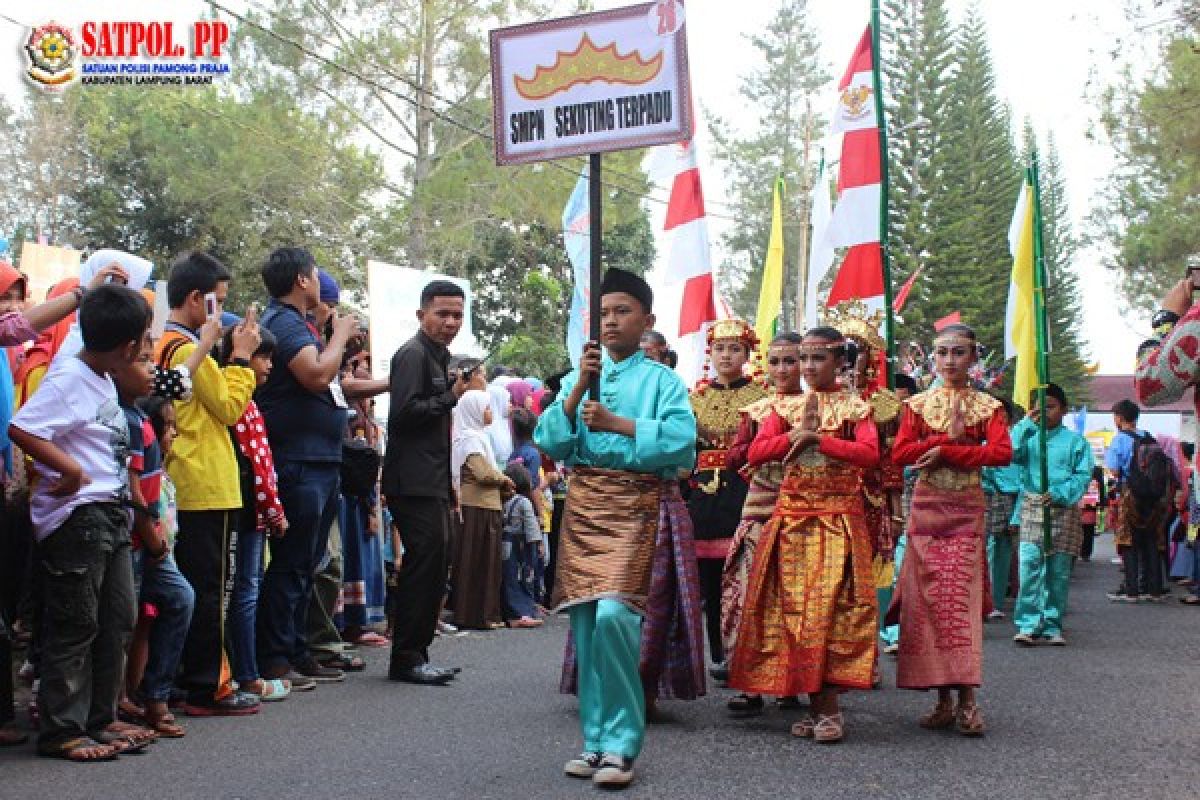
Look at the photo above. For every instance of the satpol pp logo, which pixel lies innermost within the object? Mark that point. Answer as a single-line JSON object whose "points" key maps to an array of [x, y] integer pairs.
{"points": [[52, 54]]}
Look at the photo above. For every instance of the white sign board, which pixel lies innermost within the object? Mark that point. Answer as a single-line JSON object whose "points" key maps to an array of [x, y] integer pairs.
{"points": [[592, 83], [393, 298]]}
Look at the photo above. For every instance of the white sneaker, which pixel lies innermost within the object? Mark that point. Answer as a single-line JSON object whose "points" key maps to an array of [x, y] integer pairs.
{"points": [[584, 766], [446, 629], [615, 772], [891, 649], [1025, 639], [1057, 640], [995, 614]]}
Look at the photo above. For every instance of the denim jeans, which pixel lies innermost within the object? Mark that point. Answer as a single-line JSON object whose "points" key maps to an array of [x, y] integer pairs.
{"points": [[164, 586], [243, 604], [309, 492], [88, 614], [1143, 564]]}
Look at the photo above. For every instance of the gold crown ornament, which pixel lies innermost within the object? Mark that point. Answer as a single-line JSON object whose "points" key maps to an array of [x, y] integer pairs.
{"points": [[855, 321], [731, 329]]}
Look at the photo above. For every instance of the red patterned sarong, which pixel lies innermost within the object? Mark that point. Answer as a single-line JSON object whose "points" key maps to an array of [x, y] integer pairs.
{"points": [[942, 595], [810, 614]]}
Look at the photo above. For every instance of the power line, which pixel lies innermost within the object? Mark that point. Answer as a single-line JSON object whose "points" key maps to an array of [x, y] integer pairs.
{"points": [[440, 114], [388, 70]]}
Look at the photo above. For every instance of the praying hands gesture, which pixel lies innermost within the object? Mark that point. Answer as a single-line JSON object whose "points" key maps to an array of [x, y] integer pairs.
{"points": [[958, 427], [806, 436]]}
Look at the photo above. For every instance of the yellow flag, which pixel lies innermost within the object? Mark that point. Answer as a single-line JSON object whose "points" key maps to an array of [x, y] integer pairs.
{"points": [[1020, 326], [770, 296]]}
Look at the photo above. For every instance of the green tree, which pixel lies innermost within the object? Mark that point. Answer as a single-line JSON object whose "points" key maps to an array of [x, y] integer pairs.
{"points": [[1148, 214], [918, 60], [971, 209], [44, 159], [168, 172], [523, 288], [778, 96], [411, 79]]}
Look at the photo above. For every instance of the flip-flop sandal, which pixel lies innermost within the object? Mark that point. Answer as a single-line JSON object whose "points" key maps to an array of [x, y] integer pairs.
{"points": [[123, 743], [269, 690], [165, 725], [128, 711], [139, 734], [344, 662], [372, 639], [73, 750]]}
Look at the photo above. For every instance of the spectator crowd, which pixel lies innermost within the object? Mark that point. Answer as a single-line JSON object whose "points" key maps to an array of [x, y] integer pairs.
{"points": [[204, 521]]}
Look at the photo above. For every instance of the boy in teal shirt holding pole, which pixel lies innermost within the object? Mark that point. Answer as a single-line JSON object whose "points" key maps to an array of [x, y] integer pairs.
{"points": [[1045, 575], [626, 450]]}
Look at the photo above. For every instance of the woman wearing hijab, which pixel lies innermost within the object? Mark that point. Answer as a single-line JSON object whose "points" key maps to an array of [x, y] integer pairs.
{"points": [[499, 429], [521, 392], [476, 563]]}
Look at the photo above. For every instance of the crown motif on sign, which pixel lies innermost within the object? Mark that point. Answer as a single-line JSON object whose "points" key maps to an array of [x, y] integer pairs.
{"points": [[855, 321], [587, 63]]}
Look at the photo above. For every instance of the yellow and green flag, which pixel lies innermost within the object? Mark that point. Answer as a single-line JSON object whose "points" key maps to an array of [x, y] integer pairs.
{"points": [[770, 296], [1020, 322]]}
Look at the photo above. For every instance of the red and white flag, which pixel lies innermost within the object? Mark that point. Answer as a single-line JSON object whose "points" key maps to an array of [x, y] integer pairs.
{"points": [[856, 217], [685, 287]]}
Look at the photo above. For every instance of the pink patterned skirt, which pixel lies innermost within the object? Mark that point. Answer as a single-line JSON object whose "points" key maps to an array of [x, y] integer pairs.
{"points": [[942, 594]]}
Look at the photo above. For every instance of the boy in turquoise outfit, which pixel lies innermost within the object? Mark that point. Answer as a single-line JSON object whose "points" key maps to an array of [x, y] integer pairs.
{"points": [[1045, 576], [1002, 488], [626, 451]]}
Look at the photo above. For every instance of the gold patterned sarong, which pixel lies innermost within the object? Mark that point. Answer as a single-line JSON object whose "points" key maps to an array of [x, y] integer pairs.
{"points": [[606, 549], [811, 613]]}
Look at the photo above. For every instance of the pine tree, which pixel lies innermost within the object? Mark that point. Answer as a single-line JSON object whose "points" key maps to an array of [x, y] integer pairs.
{"points": [[782, 93], [970, 209], [1068, 366], [917, 43]]}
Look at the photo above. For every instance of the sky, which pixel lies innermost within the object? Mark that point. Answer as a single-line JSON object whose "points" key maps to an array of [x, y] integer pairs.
{"points": [[1051, 58]]}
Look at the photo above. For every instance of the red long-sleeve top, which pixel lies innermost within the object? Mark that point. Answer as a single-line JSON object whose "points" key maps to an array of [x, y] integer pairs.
{"points": [[736, 456], [773, 443], [983, 444]]}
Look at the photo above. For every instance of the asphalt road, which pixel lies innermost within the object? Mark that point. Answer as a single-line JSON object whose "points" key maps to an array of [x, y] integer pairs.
{"points": [[1113, 715]]}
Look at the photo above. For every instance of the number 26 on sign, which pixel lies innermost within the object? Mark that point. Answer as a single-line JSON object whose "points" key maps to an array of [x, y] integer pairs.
{"points": [[666, 17]]}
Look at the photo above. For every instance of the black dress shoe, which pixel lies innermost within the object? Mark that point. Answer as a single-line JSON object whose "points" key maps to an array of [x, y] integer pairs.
{"points": [[449, 672], [422, 674]]}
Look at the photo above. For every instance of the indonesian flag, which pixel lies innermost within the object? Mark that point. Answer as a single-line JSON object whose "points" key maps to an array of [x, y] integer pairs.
{"points": [[686, 297], [856, 217]]}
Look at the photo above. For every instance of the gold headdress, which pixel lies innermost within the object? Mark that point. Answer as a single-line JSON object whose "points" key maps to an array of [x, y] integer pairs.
{"points": [[855, 321], [730, 329]]}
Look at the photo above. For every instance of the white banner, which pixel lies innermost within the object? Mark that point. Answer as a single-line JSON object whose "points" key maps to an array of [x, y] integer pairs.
{"points": [[592, 83]]}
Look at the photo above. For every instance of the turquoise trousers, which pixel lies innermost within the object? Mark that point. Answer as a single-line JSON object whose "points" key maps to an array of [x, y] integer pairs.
{"points": [[890, 634], [612, 705], [1042, 598], [999, 552]]}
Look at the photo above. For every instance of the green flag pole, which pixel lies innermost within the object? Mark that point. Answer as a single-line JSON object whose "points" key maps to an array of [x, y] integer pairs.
{"points": [[1043, 367], [889, 324]]}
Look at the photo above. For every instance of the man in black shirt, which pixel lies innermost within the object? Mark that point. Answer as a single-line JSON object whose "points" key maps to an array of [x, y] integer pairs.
{"points": [[416, 477]]}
